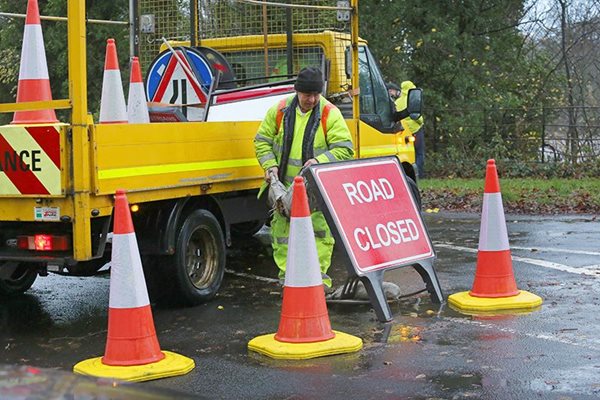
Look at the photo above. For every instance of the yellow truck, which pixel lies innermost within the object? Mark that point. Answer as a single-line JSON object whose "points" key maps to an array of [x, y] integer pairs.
{"points": [[191, 185]]}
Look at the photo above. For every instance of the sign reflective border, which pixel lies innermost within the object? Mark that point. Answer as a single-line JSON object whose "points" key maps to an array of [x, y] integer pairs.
{"points": [[374, 212], [30, 161]]}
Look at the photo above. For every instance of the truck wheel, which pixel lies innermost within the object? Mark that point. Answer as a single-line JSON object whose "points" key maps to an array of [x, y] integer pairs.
{"points": [[20, 281], [199, 259], [247, 229]]}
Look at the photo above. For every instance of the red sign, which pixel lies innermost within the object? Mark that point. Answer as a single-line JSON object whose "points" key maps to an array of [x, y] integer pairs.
{"points": [[375, 214]]}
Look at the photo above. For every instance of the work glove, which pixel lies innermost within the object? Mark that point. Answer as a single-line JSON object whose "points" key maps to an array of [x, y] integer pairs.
{"points": [[276, 193]]}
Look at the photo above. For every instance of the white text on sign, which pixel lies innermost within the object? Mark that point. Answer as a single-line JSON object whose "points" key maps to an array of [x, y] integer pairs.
{"points": [[384, 235], [362, 192]]}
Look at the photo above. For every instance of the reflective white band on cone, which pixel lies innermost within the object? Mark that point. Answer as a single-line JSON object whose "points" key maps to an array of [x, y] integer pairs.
{"points": [[112, 103], [493, 235], [127, 284], [137, 108], [33, 55], [303, 268]]}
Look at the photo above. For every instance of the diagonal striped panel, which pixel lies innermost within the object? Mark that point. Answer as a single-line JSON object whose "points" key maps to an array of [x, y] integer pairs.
{"points": [[30, 160], [48, 138], [6, 186], [18, 173]]}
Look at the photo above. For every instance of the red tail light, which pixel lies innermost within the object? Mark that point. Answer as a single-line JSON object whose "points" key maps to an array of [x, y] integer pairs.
{"points": [[44, 242]]}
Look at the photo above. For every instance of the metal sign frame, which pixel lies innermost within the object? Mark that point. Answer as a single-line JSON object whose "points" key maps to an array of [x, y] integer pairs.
{"points": [[373, 278]]}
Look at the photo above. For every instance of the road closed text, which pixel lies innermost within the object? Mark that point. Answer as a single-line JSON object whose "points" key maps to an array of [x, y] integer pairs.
{"points": [[385, 235], [382, 234]]}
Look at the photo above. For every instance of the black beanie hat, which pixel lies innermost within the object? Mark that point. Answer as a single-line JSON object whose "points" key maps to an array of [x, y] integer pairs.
{"points": [[309, 80], [393, 86]]}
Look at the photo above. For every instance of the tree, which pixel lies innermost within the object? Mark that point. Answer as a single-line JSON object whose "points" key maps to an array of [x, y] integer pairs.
{"points": [[55, 42], [473, 61], [569, 32]]}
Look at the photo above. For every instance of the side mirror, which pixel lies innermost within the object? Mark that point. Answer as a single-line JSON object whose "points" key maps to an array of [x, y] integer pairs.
{"points": [[348, 62], [414, 104]]}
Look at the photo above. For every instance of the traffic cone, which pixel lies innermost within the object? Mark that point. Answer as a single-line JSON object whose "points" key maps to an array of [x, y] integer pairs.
{"points": [[494, 287], [304, 327], [132, 351], [34, 84], [304, 316], [112, 102], [137, 106]]}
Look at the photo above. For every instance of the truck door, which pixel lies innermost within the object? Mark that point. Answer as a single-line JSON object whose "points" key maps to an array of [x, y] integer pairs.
{"points": [[376, 107]]}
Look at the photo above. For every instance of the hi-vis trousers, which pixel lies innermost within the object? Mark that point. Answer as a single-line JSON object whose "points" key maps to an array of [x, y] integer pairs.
{"points": [[280, 233]]}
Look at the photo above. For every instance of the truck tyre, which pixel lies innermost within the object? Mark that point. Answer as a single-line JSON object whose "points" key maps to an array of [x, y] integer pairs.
{"points": [[199, 261], [20, 280]]}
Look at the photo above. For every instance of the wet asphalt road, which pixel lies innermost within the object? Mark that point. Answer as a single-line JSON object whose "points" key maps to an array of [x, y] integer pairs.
{"points": [[428, 351]]}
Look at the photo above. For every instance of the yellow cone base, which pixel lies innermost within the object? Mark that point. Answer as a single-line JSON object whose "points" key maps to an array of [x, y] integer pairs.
{"points": [[523, 301], [172, 365], [341, 343]]}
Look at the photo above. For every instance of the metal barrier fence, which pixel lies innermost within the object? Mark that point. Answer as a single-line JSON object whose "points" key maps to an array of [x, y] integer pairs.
{"points": [[542, 134]]}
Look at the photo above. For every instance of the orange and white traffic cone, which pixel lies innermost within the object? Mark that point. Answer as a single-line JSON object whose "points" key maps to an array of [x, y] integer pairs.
{"points": [[112, 102], [494, 287], [132, 351], [137, 106], [304, 316], [34, 83], [304, 327]]}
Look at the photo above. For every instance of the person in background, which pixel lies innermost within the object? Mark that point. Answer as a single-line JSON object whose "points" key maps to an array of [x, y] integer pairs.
{"points": [[393, 90], [415, 127], [299, 131]]}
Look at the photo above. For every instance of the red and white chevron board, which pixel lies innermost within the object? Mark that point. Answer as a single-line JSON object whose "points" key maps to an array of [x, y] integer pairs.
{"points": [[30, 160]]}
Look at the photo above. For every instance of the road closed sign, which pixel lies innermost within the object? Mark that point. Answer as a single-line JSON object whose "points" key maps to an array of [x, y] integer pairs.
{"points": [[371, 204]]}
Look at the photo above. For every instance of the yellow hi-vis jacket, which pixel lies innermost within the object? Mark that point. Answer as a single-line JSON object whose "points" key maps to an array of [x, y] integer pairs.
{"points": [[401, 103], [333, 144]]}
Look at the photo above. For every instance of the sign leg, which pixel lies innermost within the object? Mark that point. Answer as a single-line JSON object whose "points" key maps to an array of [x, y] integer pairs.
{"points": [[425, 269], [373, 284]]}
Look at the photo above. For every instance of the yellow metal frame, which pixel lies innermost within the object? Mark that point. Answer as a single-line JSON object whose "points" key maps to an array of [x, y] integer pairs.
{"points": [[76, 32], [35, 105]]}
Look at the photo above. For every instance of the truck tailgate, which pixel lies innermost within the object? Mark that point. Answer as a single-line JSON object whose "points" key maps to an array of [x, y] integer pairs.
{"points": [[163, 156]]}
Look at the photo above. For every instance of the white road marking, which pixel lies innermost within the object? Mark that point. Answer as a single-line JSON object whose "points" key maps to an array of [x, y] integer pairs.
{"points": [[590, 271], [557, 250], [590, 343]]}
